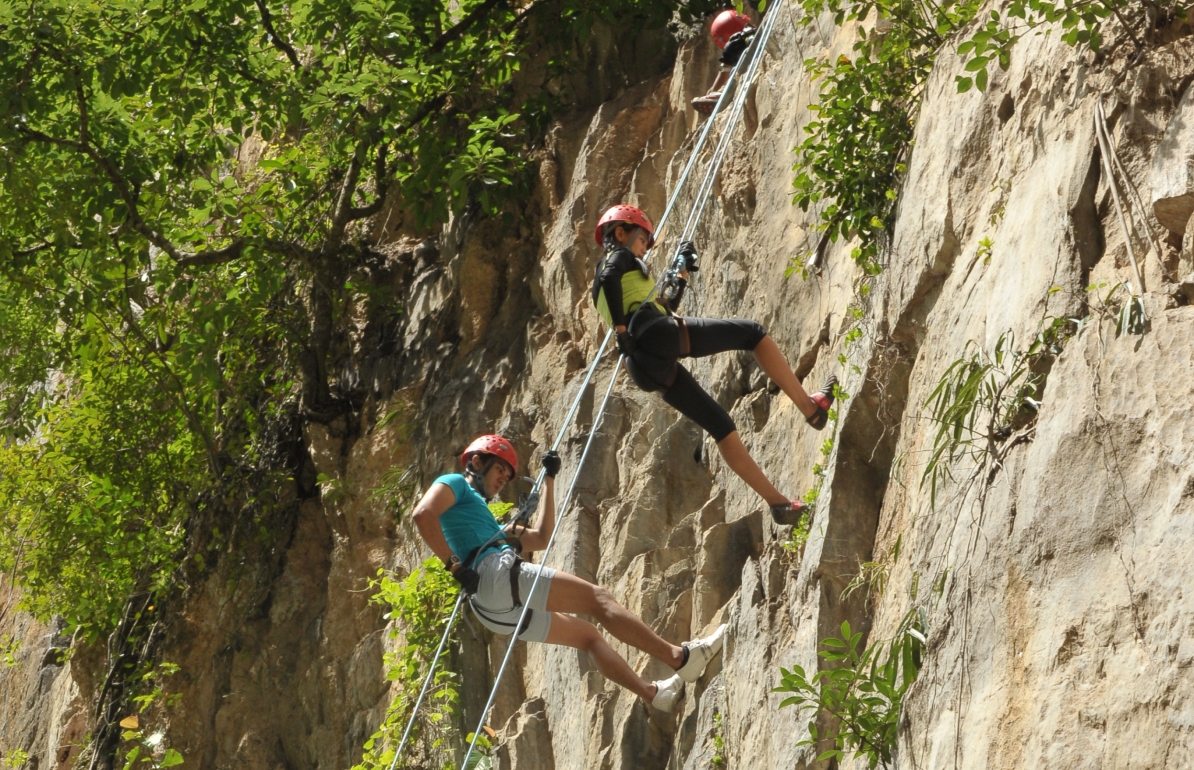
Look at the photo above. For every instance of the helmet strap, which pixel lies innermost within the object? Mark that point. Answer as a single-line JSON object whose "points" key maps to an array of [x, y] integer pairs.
{"points": [[476, 478]]}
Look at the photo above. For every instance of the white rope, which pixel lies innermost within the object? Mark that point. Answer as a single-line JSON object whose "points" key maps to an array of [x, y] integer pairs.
{"points": [[706, 187]]}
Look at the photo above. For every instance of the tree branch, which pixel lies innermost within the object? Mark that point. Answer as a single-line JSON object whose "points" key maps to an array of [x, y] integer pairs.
{"points": [[122, 189], [267, 21], [343, 210], [287, 249], [33, 250], [236, 250], [1128, 28], [423, 112], [460, 27], [364, 212], [214, 256]]}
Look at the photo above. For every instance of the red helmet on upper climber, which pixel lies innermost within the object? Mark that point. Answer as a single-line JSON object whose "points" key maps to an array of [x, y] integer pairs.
{"points": [[726, 24], [497, 446], [628, 215]]}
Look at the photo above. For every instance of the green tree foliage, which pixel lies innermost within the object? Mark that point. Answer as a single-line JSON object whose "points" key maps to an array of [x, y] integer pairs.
{"points": [[186, 198], [421, 603]]}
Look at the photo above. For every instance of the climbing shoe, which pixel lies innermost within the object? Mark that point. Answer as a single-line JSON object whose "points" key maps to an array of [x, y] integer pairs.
{"points": [[823, 398], [700, 652], [705, 104], [788, 514], [669, 691]]}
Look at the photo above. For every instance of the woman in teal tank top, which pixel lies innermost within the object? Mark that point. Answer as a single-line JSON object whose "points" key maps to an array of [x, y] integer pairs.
{"points": [[449, 518]]}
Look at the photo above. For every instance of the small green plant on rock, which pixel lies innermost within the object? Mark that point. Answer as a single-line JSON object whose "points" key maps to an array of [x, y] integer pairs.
{"points": [[719, 742], [421, 602], [984, 399], [985, 248], [149, 752], [9, 647], [871, 577], [800, 532], [15, 759], [862, 691]]}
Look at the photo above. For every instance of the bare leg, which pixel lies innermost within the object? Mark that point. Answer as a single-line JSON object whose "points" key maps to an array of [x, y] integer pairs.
{"points": [[768, 354], [572, 594], [722, 76], [743, 464], [574, 632]]}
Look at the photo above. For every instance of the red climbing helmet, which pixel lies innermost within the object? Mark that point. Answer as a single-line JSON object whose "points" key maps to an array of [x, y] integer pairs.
{"points": [[494, 445], [726, 24], [629, 215]]}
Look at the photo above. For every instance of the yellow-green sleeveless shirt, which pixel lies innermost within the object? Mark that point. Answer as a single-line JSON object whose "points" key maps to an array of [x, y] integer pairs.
{"points": [[636, 287]]}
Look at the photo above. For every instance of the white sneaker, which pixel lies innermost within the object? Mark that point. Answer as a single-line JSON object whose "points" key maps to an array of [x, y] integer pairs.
{"points": [[700, 652], [669, 692]]}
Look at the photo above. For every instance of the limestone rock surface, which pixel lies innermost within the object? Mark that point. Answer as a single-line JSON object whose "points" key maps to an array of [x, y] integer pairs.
{"points": [[1055, 586]]}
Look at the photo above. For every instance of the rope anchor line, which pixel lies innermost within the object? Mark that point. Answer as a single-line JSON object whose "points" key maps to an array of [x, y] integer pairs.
{"points": [[695, 215]]}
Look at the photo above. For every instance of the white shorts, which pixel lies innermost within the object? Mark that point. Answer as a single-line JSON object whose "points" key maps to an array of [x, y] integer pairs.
{"points": [[494, 606]]}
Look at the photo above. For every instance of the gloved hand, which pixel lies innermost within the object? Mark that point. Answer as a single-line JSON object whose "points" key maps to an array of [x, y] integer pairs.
{"points": [[688, 251], [735, 46], [551, 463], [468, 579], [625, 344]]}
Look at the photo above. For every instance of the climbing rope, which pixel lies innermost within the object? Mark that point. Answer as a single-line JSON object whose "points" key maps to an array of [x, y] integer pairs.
{"points": [[564, 428], [699, 204]]}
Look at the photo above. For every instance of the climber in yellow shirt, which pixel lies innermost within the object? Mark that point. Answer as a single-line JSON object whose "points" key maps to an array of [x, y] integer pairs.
{"points": [[653, 339]]}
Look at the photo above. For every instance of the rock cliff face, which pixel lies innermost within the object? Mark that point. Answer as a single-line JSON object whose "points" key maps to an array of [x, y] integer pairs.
{"points": [[1053, 588]]}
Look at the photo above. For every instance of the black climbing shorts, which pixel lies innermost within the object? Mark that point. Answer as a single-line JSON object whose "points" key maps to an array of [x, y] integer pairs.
{"points": [[655, 364]]}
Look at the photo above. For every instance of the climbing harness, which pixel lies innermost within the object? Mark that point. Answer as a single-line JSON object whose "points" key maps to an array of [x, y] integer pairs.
{"points": [[759, 46]]}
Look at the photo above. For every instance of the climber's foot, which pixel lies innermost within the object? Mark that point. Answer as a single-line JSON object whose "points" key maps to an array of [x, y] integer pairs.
{"points": [[788, 514], [823, 398], [705, 104], [667, 692], [700, 652]]}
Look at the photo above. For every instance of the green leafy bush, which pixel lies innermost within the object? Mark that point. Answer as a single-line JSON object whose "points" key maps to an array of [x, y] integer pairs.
{"points": [[421, 602], [92, 507], [859, 138], [861, 689]]}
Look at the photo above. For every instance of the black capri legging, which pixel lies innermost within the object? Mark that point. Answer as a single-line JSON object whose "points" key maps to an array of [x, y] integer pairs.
{"points": [[659, 347]]}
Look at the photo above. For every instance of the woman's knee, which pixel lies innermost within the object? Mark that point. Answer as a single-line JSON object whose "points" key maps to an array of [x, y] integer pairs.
{"points": [[758, 333], [588, 637], [603, 601]]}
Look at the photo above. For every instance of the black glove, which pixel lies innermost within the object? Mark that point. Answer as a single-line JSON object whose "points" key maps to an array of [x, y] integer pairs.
{"points": [[468, 579], [688, 251], [735, 46], [625, 344], [551, 463]]}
